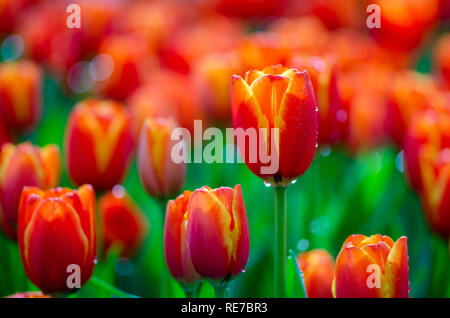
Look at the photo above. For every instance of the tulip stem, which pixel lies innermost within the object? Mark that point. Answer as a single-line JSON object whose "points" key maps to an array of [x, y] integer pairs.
{"points": [[221, 291], [280, 243]]}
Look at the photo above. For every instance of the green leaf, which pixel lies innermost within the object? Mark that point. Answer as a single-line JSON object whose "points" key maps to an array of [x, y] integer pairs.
{"points": [[294, 278]]}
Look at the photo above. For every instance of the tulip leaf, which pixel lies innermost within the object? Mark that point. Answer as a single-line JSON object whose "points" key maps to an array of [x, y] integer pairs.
{"points": [[294, 278]]}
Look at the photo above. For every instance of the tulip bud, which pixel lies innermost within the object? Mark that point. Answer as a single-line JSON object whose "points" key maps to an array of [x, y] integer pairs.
{"points": [[20, 95], [427, 167], [175, 242], [122, 224], [98, 143], [20, 166], [217, 232], [318, 272], [159, 174], [57, 237], [283, 99], [372, 267]]}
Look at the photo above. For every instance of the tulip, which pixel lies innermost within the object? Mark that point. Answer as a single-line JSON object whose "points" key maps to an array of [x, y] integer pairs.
{"points": [[176, 249], [217, 234], [57, 229], [131, 61], [372, 267], [410, 93], [281, 99], [159, 174], [318, 272], [404, 23], [20, 95], [20, 166], [122, 224], [98, 143]]}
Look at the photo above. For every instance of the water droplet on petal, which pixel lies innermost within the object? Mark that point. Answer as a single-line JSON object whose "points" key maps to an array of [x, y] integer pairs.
{"points": [[267, 184], [294, 181]]}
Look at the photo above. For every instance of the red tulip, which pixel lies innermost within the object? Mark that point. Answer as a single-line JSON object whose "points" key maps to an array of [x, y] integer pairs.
{"points": [[131, 62], [57, 229], [122, 224], [175, 242], [159, 174], [20, 95], [20, 166], [217, 232], [372, 267], [281, 98], [318, 272], [98, 143]]}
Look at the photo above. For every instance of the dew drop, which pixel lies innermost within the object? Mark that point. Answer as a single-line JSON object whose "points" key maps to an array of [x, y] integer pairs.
{"points": [[317, 108], [294, 181], [267, 184]]}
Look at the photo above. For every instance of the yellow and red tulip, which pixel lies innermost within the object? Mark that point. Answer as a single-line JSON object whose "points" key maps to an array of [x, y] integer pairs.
{"points": [[217, 232], [122, 224], [20, 95], [283, 99], [159, 174], [98, 143], [318, 272], [361, 257], [176, 249], [56, 229], [20, 166]]}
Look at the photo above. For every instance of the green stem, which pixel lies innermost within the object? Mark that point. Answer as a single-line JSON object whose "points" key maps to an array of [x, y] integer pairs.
{"points": [[280, 243], [221, 291], [165, 277], [113, 291]]}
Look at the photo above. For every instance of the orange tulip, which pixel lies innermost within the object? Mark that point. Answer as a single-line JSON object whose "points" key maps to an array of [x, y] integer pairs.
{"points": [[122, 224], [372, 267], [426, 150], [20, 166], [404, 23], [176, 249], [217, 232], [57, 229], [131, 63], [98, 143], [410, 93], [20, 95], [159, 174], [318, 272], [279, 98]]}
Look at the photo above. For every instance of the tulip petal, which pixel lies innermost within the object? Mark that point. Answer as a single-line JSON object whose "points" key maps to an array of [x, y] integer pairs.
{"points": [[397, 268]]}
